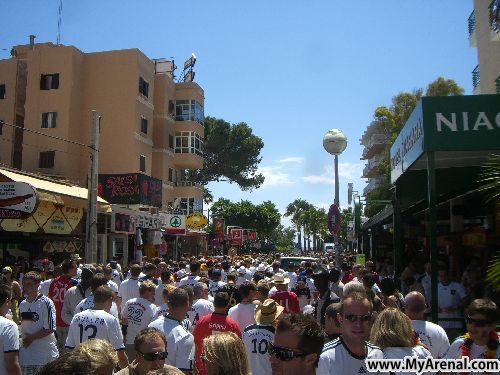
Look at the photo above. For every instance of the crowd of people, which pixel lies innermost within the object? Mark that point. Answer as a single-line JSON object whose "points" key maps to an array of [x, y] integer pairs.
{"points": [[231, 315]]}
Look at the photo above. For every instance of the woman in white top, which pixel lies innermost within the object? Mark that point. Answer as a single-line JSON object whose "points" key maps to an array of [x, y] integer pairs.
{"points": [[393, 332]]}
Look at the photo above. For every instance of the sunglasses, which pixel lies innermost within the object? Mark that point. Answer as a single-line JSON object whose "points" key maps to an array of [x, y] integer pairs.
{"points": [[284, 354], [354, 318], [477, 322], [150, 357]]}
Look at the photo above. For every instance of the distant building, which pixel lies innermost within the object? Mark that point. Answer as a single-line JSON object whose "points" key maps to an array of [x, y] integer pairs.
{"points": [[376, 143], [150, 124], [486, 75]]}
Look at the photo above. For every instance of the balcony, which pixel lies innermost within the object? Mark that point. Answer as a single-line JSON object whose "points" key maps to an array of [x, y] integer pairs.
{"points": [[373, 183], [188, 161], [371, 168], [472, 30], [375, 145], [476, 81], [188, 189]]}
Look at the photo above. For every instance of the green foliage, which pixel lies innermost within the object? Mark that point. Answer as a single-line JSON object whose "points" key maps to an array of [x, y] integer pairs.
{"points": [[295, 211], [345, 217], [232, 153], [264, 217], [283, 238], [392, 119], [493, 272]]}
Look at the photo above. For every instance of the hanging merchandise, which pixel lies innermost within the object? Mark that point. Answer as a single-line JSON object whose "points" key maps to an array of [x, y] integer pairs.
{"points": [[138, 237], [157, 238], [163, 248], [150, 251]]}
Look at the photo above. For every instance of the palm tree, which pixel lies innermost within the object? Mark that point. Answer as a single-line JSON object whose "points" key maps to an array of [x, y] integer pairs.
{"points": [[295, 210], [490, 186]]}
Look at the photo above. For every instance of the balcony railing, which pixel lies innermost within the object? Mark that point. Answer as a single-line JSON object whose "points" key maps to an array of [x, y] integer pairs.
{"points": [[472, 23], [187, 184], [476, 79]]}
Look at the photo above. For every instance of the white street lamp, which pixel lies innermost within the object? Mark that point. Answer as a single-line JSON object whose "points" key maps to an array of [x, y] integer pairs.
{"points": [[335, 142]]}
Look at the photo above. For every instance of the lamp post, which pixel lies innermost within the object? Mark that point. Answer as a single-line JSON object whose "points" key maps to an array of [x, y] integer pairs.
{"points": [[335, 142]]}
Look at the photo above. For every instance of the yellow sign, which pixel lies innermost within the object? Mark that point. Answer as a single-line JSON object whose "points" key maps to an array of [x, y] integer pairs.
{"points": [[196, 221], [51, 218]]}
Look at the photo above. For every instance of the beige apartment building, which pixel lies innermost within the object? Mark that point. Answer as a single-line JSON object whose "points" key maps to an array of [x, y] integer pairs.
{"points": [[486, 75], [150, 123]]}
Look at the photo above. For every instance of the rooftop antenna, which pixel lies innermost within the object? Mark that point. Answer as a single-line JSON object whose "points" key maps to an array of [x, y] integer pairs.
{"points": [[59, 21], [188, 72]]}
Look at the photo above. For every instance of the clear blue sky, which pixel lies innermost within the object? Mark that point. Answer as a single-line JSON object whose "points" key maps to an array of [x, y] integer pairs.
{"points": [[291, 69]]}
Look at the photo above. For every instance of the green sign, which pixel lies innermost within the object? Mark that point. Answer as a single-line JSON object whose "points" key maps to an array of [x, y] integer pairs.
{"points": [[447, 123], [360, 259]]}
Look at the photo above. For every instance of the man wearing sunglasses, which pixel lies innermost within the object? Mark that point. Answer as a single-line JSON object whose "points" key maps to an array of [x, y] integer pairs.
{"points": [[150, 353], [481, 339], [296, 346], [347, 354]]}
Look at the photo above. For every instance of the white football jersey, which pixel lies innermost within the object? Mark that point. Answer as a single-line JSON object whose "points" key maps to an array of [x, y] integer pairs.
{"points": [[476, 352], [338, 359], [161, 310], [9, 340], [432, 336], [139, 312], [214, 286], [189, 280], [36, 316], [91, 324], [88, 303], [256, 338], [180, 343], [200, 308]]}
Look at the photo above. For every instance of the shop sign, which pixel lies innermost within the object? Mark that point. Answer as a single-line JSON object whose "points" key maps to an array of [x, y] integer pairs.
{"points": [[60, 246], [252, 235], [122, 223], [175, 224], [46, 219], [360, 259], [334, 219], [131, 188], [237, 236], [147, 221], [218, 227], [196, 221], [17, 199]]}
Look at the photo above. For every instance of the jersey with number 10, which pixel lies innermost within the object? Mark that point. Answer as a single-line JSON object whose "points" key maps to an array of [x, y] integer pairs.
{"points": [[92, 324], [257, 338]]}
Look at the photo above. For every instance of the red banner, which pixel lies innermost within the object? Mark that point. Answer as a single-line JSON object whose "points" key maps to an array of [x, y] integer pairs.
{"points": [[218, 227], [252, 235], [237, 237]]}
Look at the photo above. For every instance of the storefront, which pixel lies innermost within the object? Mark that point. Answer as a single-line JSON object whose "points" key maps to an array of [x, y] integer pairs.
{"points": [[438, 209]]}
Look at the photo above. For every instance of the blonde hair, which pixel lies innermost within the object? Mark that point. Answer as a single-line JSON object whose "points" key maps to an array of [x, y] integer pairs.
{"points": [[102, 353], [146, 286], [392, 328], [226, 354]]}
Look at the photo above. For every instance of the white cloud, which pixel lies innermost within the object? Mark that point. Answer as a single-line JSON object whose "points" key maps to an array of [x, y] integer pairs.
{"points": [[274, 176], [346, 170], [292, 159]]}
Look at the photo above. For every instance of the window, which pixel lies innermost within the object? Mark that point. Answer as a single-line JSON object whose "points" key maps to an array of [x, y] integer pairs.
{"points": [[144, 125], [188, 143], [189, 110], [170, 174], [191, 205], [171, 141], [142, 163], [49, 81], [2, 91], [46, 159], [143, 87], [49, 120]]}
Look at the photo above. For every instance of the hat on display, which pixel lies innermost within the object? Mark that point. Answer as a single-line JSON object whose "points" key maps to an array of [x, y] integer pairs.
{"points": [[268, 312], [279, 278]]}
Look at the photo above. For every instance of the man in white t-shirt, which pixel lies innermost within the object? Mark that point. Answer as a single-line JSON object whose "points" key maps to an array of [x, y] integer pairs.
{"points": [[38, 326], [9, 336], [452, 298], [215, 283], [98, 323], [98, 280], [347, 354], [130, 288], [137, 313], [296, 346], [193, 277], [431, 335], [257, 337], [243, 312], [201, 305], [180, 342]]}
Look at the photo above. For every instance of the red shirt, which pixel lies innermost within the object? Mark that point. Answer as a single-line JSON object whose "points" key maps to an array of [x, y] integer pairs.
{"points": [[347, 277], [210, 325], [288, 300], [57, 291]]}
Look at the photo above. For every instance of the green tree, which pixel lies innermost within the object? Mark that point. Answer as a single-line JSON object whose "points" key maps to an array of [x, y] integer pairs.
{"points": [[232, 153], [294, 210], [345, 218], [283, 238], [392, 119], [264, 217]]}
